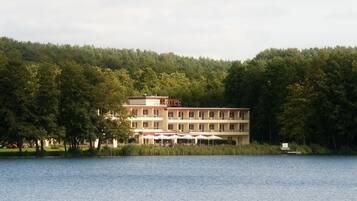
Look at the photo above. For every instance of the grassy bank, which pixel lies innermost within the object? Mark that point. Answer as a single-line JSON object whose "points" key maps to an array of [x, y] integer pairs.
{"points": [[31, 152], [316, 149], [144, 150], [138, 150]]}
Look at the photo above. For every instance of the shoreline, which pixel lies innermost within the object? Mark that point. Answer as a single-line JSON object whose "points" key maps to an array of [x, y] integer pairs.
{"points": [[145, 150]]}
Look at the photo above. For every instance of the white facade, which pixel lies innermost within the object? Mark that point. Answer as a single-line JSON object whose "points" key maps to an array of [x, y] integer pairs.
{"points": [[153, 116]]}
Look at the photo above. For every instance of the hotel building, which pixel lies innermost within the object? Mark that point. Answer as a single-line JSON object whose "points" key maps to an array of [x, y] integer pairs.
{"points": [[152, 116]]}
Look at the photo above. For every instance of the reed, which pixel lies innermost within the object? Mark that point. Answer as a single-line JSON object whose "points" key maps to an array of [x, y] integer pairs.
{"points": [[147, 150]]}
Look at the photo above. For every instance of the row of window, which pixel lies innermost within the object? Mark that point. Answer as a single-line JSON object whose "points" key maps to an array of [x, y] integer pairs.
{"points": [[201, 115], [145, 124], [145, 112], [201, 127]]}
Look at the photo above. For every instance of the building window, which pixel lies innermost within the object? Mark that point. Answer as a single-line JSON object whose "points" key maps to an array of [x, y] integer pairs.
{"points": [[201, 115], [231, 127], [211, 127], [162, 102], [211, 114], [221, 115], [243, 127], [145, 124], [145, 112], [180, 114], [156, 125], [134, 124], [191, 114], [201, 127], [171, 115], [191, 127], [156, 113], [180, 127], [134, 112], [170, 127], [231, 115], [242, 115], [221, 127]]}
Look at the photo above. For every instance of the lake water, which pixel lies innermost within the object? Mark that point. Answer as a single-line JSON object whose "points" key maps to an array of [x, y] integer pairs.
{"points": [[180, 178]]}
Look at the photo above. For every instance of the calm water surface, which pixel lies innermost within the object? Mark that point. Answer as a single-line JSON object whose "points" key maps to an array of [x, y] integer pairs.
{"points": [[180, 178]]}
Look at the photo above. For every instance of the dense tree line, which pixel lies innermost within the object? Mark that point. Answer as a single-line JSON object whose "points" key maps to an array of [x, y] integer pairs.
{"points": [[68, 103], [199, 81], [55, 91], [307, 96]]}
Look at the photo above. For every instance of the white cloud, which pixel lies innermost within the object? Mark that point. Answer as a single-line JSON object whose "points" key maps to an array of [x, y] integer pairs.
{"points": [[225, 29]]}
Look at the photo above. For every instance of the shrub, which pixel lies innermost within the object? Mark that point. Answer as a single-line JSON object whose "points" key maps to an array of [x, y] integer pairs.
{"points": [[131, 150], [55, 146], [345, 150], [293, 146], [304, 149], [91, 152], [318, 149], [73, 152]]}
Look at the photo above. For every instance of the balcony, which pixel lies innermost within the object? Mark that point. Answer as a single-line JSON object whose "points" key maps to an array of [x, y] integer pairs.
{"points": [[226, 132], [146, 117], [205, 120], [146, 129]]}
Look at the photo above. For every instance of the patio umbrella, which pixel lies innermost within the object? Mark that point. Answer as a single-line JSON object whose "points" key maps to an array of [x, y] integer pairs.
{"points": [[163, 137], [201, 137], [188, 137], [213, 137], [173, 137]]}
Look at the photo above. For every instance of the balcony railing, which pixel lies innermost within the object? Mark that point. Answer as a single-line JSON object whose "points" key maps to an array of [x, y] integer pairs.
{"points": [[146, 128], [202, 118], [210, 131], [136, 116]]}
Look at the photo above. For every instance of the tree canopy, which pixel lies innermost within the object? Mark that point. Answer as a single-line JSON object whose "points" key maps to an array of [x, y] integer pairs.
{"points": [[63, 92], [305, 96]]}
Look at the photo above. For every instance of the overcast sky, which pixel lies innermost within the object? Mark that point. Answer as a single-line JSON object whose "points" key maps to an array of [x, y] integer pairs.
{"points": [[219, 29]]}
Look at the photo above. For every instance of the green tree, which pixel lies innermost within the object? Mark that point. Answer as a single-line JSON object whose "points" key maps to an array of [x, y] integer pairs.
{"points": [[109, 95], [18, 86], [296, 113], [47, 100], [75, 107]]}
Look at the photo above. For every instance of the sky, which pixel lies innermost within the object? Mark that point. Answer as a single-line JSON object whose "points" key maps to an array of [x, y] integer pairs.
{"points": [[225, 29]]}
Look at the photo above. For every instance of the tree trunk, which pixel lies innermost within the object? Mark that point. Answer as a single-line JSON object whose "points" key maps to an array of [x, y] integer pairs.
{"points": [[65, 145], [41, 143], [99, 142], [90, 143], [19, 145], [37, 147]]}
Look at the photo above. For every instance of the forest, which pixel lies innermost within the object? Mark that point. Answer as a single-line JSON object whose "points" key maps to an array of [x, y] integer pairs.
{"points": [[63, 92]]}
